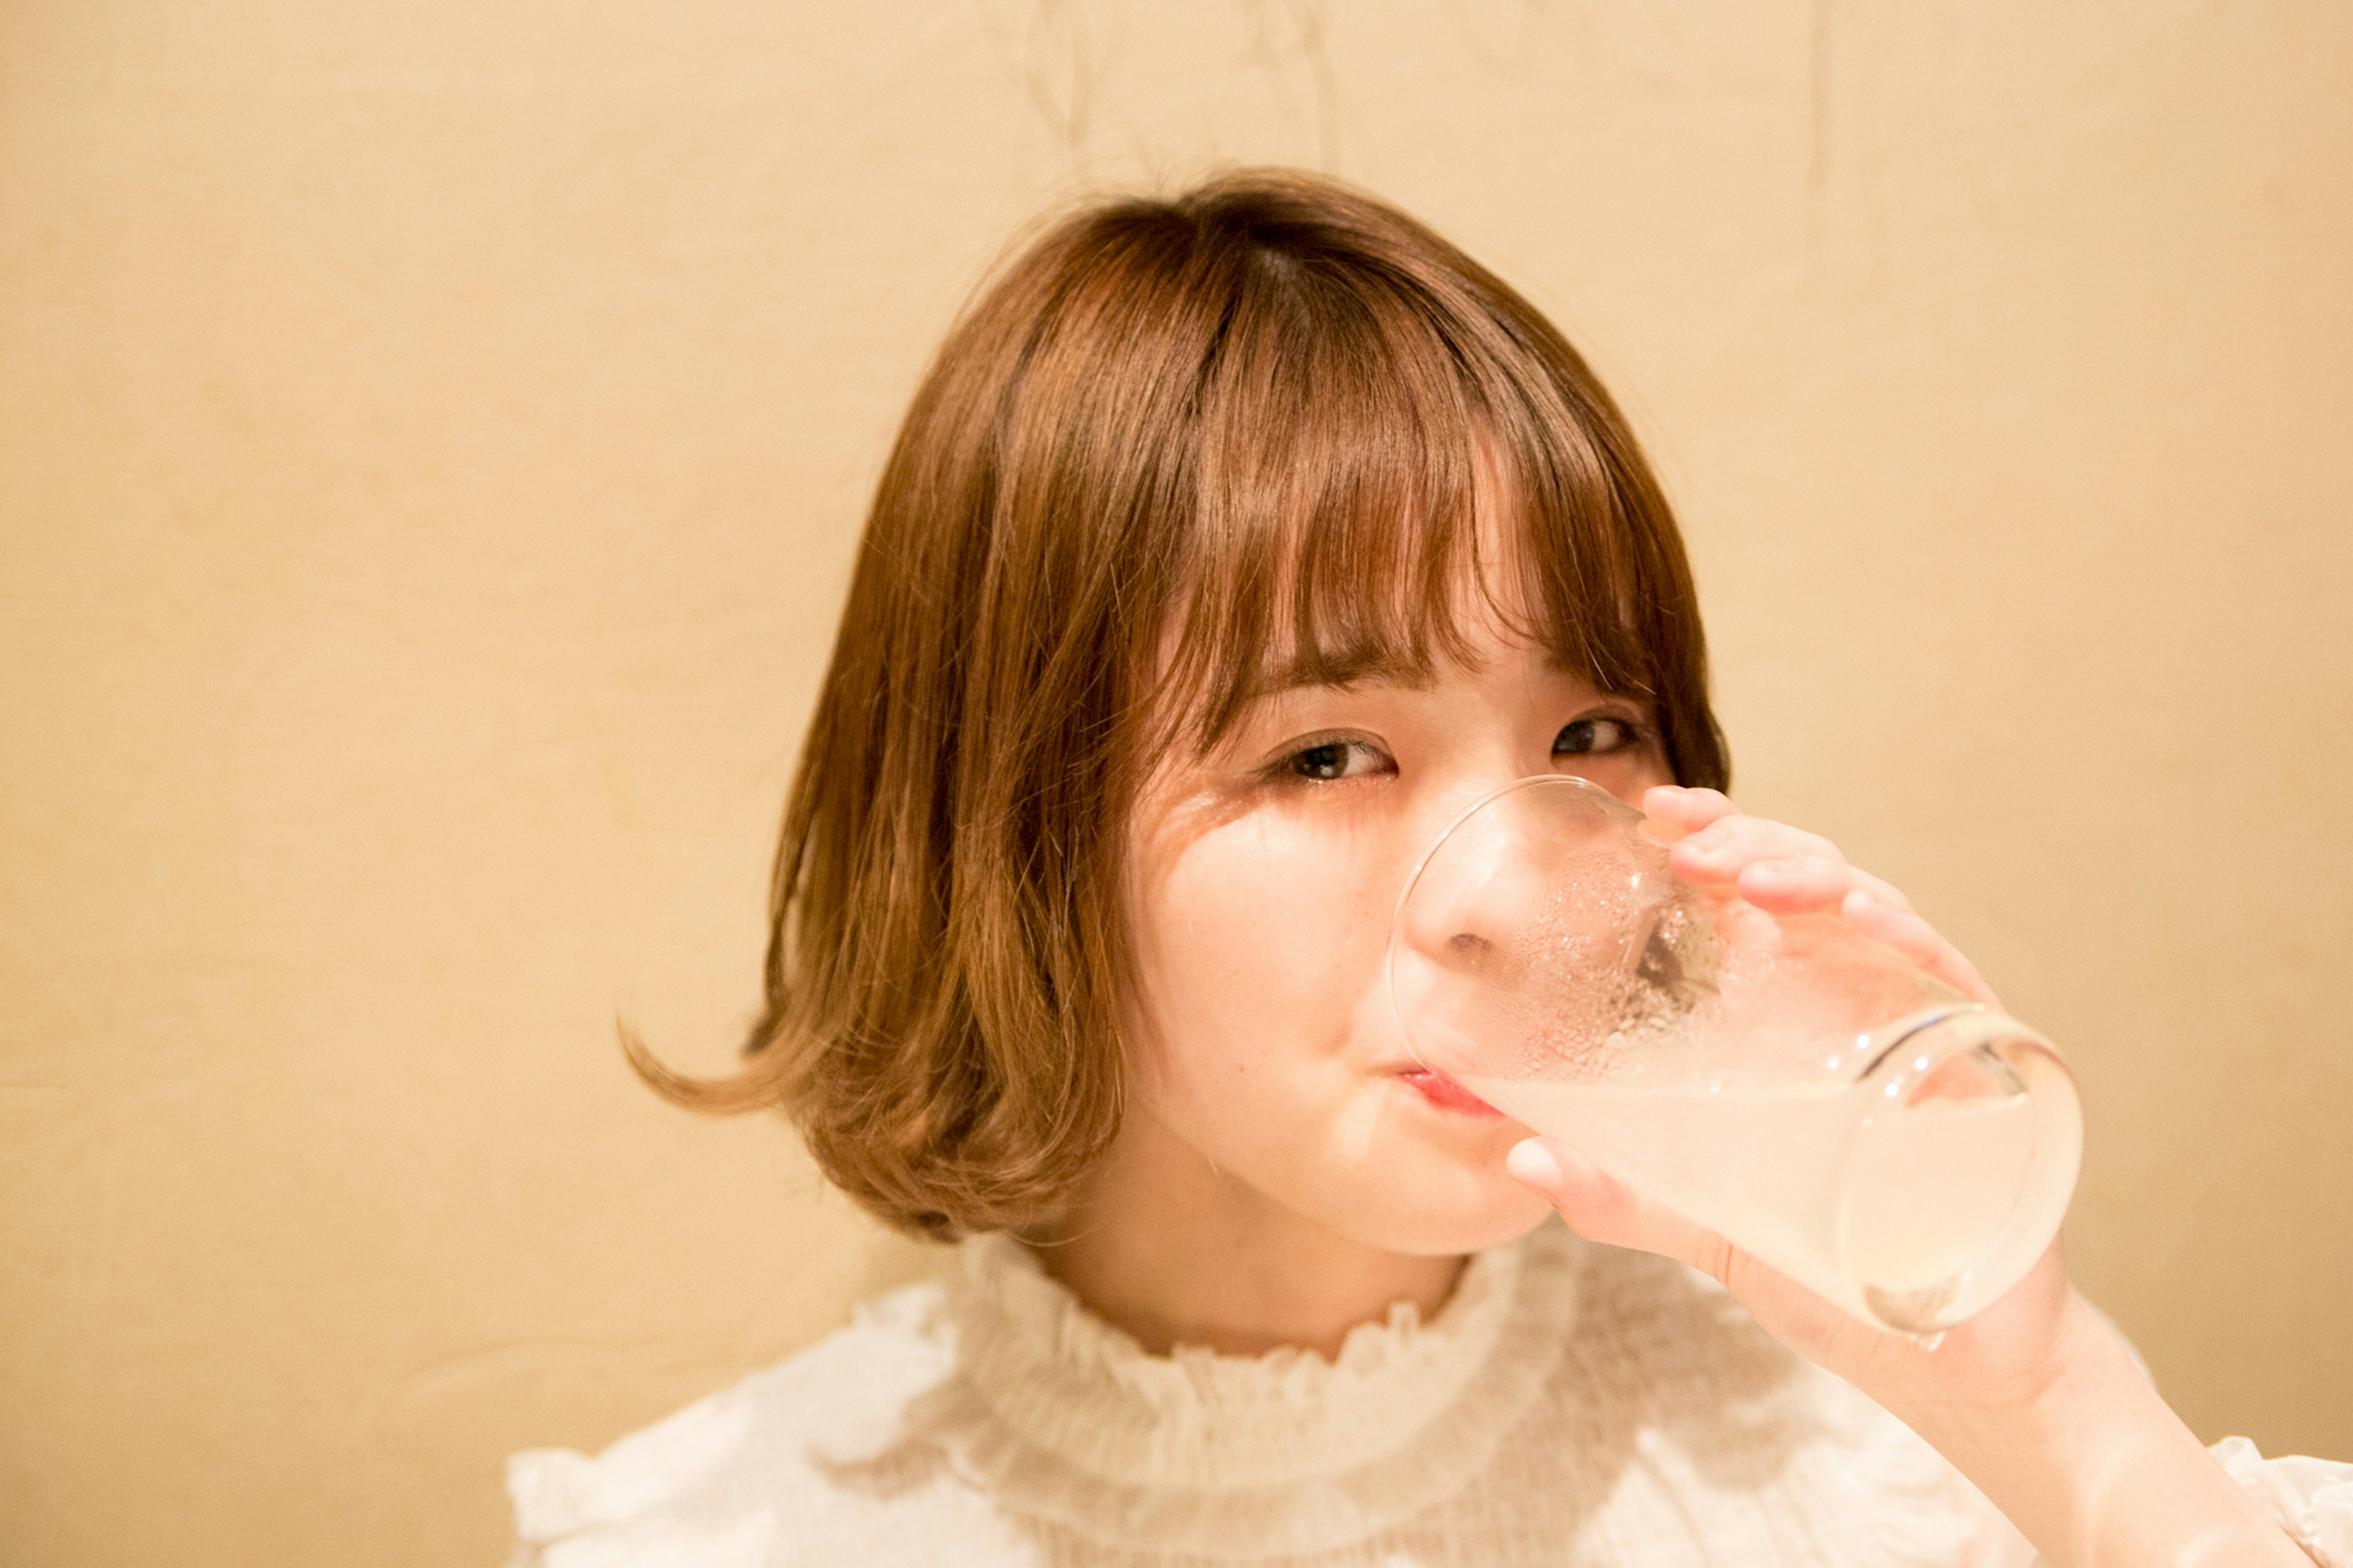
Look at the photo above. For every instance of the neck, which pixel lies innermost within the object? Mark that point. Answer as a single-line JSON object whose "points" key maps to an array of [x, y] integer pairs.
{"points": [[1173, 1251]]}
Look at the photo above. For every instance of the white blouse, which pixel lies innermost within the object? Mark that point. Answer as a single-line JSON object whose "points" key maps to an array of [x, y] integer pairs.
{"points": [[1572, 1404]]}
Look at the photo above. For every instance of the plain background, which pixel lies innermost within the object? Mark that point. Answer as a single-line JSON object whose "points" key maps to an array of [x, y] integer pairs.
{"points": [[433, 435]]}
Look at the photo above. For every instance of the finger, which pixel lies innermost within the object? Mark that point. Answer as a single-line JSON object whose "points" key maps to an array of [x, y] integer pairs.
{"points": [[1807, 885], [1672, 813], [1917, 940], [1600, 1207], [1798, 885], [1886, 892], [1686, 810], [1801, 883], [1717, 852]]}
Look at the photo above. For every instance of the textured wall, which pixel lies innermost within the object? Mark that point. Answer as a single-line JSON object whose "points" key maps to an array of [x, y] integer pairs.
{"points": [[432, 435]]}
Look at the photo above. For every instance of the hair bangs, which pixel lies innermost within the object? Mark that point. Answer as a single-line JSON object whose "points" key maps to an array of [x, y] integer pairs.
{"points": [[1355, 426]]}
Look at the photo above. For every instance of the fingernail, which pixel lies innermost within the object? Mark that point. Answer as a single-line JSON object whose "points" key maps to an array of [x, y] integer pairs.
{"points": [[1532, 1163]]}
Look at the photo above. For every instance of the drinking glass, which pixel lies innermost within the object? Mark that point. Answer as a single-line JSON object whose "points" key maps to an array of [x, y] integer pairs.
{"points": [[1809, 1094]]}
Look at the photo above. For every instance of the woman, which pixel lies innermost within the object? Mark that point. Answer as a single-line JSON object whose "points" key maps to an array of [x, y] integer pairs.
{"points": [[1232, 546]]}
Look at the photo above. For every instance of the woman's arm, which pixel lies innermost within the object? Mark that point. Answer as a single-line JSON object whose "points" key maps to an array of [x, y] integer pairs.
{"points": [[2036, 1400], [2098, 1469]]}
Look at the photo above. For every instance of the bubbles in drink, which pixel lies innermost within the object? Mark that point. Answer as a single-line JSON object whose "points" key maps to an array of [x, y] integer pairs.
{"points": [[1601, 975]]}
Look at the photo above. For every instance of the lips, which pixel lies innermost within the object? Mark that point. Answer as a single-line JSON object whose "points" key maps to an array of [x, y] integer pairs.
{"points": [[1445, 1093]]}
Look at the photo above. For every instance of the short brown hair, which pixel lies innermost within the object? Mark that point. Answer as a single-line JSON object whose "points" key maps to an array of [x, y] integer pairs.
{"points": [[1173, 441]]}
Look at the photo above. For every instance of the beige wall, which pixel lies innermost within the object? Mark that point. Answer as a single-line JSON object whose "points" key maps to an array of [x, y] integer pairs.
{"points": [[432, 435]]}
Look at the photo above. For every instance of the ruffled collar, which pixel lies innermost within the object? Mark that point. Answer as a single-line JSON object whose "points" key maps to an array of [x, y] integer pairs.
{"points": [[1064, 1417]]}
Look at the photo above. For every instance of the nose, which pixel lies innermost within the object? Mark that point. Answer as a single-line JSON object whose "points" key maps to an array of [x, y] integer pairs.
{"points": [[1535, 869], [1481, 887], [1509, 879], [1513, 935], [1508, 926]]}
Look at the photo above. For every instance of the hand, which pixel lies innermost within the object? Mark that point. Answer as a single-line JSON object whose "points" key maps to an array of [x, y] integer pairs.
{"points": [[2003, 1355], [1785, 871], [2035, 1399]]}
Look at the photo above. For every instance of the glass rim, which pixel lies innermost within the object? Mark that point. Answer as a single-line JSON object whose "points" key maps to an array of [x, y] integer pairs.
{"points": [[1421, 863]]}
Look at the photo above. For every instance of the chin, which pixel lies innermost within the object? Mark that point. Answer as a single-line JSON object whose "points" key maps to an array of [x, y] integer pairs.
{"points": [[1446, 1218]]}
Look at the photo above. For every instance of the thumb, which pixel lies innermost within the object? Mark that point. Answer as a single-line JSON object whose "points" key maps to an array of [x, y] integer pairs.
{"points": [[1599, 1207]]}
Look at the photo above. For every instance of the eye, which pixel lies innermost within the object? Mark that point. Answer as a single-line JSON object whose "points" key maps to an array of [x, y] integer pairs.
{"points": [[1595, 737], [1328, 761]]}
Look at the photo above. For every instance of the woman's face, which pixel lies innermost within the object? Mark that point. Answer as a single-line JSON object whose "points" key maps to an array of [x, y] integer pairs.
{"points": [[1262, 880]]}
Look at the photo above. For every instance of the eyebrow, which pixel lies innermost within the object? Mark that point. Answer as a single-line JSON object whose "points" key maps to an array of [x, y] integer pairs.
{"points": [[1362, 666], [1380, 666]]}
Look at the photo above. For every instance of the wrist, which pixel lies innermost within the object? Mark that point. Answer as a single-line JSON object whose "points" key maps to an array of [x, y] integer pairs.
{"points": [[2079, 1381], [2085, 1457]]}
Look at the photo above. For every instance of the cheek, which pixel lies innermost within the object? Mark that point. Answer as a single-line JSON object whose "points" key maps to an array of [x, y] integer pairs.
{"points": [[1257, 949], [1262, 1038], [1624, 776]]}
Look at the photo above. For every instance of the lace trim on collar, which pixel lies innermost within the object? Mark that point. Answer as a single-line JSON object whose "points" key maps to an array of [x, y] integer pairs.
{"points": [[1064, 1417]]}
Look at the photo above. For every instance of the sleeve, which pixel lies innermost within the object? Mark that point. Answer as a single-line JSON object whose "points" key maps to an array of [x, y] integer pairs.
{"points": [[2312, 1498], [561, 1502]]}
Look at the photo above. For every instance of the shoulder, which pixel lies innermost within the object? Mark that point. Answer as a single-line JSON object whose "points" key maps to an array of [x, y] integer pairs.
{"points": [[757, 1473]]}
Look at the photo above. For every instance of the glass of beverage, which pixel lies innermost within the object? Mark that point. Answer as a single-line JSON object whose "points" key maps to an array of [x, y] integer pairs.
{"points": [[1808, 1094]]}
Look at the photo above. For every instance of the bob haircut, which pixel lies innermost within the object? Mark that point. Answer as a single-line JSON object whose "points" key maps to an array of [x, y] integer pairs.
{"points": [[1177, 452]]}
